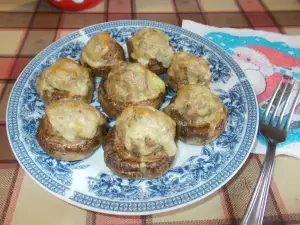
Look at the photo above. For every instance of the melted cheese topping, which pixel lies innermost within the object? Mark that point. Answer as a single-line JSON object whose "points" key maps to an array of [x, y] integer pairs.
{"points": [[96, 49], [149, 43], [196, 69], [146, 130], [198, 105], [133, 83], [74, 120], [65, 75]]}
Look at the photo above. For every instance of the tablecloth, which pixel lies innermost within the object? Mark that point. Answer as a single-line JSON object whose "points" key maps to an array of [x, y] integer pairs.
{"points": [[28, 26]]}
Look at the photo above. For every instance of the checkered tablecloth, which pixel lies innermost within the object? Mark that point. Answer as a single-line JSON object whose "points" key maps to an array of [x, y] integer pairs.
{"points": [[28, 26]]}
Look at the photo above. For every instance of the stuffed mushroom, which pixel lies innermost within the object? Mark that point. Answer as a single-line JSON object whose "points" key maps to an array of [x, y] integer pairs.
{"points": [[187, 69], [141, 144], [199, 114], [65, 79], [130, 84], [101, 53], [71, 130], [151, 48]]}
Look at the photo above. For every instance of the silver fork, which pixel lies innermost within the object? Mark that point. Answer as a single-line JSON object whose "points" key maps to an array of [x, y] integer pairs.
{"points": [[274, 132]]}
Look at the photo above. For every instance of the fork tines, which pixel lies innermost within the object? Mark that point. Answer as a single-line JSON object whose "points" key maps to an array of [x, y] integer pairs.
{"points": [[286, 89]]}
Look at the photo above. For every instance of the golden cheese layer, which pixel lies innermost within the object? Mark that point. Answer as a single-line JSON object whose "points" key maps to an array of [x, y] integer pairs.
{"points": [[74, 120], [198, 105], [149, 43], [95, 53], [133, 83], [146, 130], [189, 67], [65, 75]]}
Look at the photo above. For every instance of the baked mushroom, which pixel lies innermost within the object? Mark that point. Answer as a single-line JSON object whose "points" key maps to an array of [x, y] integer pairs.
{"points": [[199, 114], [141, 144], [71, 130], [101, 53], [151, 48], [130, 84], [187, 69], [65, 79]]}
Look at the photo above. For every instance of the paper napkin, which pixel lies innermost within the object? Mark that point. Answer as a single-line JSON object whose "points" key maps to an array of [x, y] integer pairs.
{"points": [[264, 57]]}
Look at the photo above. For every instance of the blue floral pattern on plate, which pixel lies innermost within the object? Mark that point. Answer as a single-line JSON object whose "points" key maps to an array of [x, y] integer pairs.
{"points": [[197, 170]]}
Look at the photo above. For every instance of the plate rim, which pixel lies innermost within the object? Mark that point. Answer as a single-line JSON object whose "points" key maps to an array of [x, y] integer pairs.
{"points": [[101, 210]]}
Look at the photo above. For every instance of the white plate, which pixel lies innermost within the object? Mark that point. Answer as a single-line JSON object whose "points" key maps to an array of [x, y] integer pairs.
{"points": [[197, 172]]}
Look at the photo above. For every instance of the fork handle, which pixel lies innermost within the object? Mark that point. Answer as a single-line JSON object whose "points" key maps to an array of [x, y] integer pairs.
{"points": [[256, 208]]}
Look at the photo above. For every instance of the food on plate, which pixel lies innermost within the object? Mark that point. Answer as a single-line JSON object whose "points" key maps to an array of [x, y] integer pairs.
{"points": [[65, 79], [199, 114], [101, 53], [71, 130], [187, 69], [151, 48], [130, 84], [141, 144]]}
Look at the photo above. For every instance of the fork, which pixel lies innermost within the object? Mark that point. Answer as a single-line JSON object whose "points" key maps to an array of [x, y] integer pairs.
{"points": [[274, 132]]}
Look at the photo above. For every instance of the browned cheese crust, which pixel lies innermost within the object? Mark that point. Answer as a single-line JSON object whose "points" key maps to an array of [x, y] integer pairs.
{"points": [[55, 94], [153, 65], [114, 54], [197, 135], [193, 133], [113, 107], [122, 164], [59, 148], [187, 69]]}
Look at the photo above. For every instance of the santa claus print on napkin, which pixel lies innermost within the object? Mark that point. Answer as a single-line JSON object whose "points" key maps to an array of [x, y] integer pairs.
{"points": [[264, 64], [265, 58]]}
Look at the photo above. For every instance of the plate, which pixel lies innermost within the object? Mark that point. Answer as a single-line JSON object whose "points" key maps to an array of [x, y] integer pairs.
{"points": [[198, 170]]}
